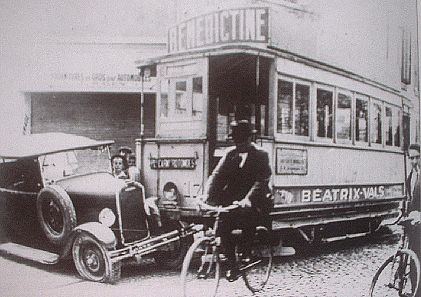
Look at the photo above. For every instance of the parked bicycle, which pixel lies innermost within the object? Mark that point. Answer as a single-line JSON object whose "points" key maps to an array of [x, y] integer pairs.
{"points": [[201, 271], [400, 273]]}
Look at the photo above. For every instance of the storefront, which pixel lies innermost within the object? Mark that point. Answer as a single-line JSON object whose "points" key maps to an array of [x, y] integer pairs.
{"points": [[95, 91]]}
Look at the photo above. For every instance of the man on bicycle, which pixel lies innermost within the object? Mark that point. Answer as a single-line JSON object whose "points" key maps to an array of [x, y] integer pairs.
{"points": [[413, 210], [241, 177]]}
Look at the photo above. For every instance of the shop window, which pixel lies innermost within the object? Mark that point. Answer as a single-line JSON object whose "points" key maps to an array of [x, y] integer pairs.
{"points": [[285, 106], [376, 122], [361, 120], [302, 97], [343, 117], [324, 113], [197, 96]]}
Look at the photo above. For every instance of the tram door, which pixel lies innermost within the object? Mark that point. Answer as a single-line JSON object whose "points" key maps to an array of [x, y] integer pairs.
{"points": [[238, 89]]}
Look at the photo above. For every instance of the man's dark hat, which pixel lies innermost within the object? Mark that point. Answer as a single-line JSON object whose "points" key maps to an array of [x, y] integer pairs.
{"points": [[241, 128]]}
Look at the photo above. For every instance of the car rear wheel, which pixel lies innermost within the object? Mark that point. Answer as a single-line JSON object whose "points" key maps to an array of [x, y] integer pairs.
{"points": [[92, 262], [56, 214]]}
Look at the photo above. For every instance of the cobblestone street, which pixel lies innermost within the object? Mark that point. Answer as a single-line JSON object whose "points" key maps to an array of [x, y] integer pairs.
{"points": [[341, 269]]}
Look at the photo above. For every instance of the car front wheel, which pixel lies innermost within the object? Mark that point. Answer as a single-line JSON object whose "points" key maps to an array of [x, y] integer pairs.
{"points": [[92, 262]]}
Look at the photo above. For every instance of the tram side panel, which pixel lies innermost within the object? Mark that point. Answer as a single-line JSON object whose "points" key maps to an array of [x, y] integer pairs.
{"points": [[312, 165], [343, 190], [318, 187]]}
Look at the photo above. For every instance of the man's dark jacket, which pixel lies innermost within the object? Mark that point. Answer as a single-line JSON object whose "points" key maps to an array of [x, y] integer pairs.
{"points": [[414, 197], [241, 172]]}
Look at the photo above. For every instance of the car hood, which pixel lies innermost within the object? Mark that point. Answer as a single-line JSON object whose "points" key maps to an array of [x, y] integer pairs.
{"points": [[102, 185]]}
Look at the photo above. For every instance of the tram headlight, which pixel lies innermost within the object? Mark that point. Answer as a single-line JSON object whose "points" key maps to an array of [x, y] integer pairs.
{"points": [[106, 217]]}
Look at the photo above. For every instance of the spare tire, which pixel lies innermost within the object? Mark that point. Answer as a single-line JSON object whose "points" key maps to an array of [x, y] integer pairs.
{"points": [[56, 214]]}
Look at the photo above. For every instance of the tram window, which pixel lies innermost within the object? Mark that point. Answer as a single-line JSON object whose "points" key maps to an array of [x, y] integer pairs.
{"points": [[392, 125], [197, 96], [293, 105], [181, 97], [343, 117], [302, 97], [324, 113], [396, 127], [389, 125], [285, 107], [376, 122], [164, 98], [361, 120]]}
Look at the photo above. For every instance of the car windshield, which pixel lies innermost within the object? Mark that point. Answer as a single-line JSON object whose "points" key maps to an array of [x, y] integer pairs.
{"points": [[75, 162]]}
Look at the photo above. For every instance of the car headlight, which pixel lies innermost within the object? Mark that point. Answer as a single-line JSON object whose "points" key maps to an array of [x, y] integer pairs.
{"points": [[106, 217]]}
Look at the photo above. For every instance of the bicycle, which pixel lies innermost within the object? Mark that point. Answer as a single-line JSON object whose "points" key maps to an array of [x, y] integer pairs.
{"points": [[394, 275], [201, 270]]}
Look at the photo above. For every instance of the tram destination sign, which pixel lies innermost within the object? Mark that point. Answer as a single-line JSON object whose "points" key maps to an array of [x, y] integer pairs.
{"points": [[173, 163], [224, 26]]}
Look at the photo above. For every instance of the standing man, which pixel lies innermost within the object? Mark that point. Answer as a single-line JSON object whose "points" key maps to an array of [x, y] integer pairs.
{"points": [[413, 210], [241, 177]]}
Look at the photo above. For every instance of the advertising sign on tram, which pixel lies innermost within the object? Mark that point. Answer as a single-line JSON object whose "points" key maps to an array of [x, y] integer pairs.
{"points": [[225, 26], [345, 193]]}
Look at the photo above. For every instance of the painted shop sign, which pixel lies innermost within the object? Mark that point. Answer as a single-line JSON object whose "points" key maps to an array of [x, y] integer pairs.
{"points": [[101, 77], [337, 193], [173, 163], [102, 81], [225, 26]]}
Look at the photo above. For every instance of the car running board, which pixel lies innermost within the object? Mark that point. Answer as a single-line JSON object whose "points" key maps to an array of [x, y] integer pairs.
{"points": [[29, 253]]}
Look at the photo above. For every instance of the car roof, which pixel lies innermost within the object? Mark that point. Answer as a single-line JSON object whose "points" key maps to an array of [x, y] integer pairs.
{"points": [[34, 145]]}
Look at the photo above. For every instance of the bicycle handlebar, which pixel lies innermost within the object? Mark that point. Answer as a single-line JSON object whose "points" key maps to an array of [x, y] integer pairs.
{"points": [[217, 209]]}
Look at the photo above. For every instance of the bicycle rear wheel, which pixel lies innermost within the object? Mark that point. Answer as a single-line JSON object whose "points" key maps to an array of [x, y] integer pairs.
{"points": [[256, 270], [200, 274], [393, 278]]}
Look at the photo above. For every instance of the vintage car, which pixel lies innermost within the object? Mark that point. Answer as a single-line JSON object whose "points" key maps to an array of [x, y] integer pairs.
{"points": [[58, 199]]}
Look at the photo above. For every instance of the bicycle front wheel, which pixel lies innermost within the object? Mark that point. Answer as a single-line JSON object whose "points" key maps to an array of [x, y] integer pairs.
{"points": [[256, 270], [398, 276], [200, 274]]}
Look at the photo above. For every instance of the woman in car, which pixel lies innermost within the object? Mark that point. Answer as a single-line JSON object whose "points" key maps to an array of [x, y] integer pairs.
{"points": [[118, 164]]}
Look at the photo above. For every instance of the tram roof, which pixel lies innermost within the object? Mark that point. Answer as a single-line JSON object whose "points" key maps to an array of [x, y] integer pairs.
{"points": [[34, 145], [263, 51], [209, 51]]}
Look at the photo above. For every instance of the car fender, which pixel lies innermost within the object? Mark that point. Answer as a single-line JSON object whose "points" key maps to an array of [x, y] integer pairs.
{"points": [[101, 232]]}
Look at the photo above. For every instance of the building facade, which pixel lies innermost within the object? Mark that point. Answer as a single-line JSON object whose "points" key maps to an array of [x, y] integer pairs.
{"points": [[82, 77], [77, 70]]}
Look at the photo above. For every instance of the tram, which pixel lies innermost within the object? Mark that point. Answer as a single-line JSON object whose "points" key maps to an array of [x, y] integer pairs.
{"points": [[335, 136]]}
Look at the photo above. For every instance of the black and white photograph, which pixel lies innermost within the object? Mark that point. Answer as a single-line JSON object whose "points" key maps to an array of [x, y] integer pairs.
{"points": [[174, 148]]}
